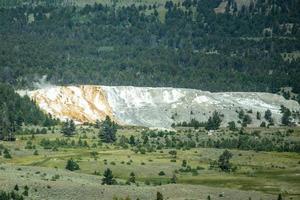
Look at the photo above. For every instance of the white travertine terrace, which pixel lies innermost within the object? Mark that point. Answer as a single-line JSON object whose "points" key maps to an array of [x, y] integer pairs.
{"points": [[153, 107]]}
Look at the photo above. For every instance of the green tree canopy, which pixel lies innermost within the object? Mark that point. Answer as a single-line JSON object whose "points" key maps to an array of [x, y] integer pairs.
{"points": [[108, 178], [108, 130]]}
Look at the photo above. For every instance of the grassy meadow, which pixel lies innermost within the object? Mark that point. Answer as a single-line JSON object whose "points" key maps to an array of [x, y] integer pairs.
{"points": [[266, 173]]}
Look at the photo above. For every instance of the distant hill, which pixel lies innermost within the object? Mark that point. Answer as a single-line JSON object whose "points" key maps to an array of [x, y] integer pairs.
{"points": [[249, 46]]}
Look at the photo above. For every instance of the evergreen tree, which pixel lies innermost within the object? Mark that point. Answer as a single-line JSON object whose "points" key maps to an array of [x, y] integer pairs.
{"points": [[108, 178], [232, 126], [173, 153], [16, 187], [213, 122], [132, 140], [97, 124], [68, 128], [15, 111], [246, 120], [6, 154], [268, 115], [132, 178], [72, 127], [184, 163], [223, 161], [263, 124], [174, 179], [286, 116], [108, 131], [258, 115], [159, 196], [72, 165]]}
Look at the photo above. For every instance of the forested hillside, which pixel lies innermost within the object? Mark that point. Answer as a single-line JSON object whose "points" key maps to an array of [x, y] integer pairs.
{"points": [[187, 44], [16, 111]]}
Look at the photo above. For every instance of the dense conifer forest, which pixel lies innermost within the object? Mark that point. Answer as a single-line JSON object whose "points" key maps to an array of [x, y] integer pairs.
{"points": [[251, 48], [16, 111]]}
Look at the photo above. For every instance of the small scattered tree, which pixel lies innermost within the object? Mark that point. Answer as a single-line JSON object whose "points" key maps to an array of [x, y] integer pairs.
{"points": [[173, 153], [72, 165], [108, 178], [241, 114], [213, 122], [258, 115], [161, 173], [97, 124], [26, 189], [246, 120], [132, 140], [223, 161], [263, 124], [174, 179], [6, 154], [108, 131], [232, 126], [16, 187], [184, 163], [268, 115], [132, 178], [159, 196], [68, 128], [36, 153], [286, 116]]}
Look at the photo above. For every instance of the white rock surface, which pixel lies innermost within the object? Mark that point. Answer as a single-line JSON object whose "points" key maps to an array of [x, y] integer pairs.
{"points": [[154, 107]]}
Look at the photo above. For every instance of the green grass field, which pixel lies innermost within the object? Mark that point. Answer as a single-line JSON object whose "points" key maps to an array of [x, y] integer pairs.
{"points": [[258, 174]]}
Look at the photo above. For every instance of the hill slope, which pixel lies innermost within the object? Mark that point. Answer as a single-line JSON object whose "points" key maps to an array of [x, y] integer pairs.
{"points": [[156, 107], [167, 45], [16, 111]]}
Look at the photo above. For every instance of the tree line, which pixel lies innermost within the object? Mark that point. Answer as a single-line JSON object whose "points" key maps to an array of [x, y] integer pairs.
{"points": [[238, 50], [16, 111]]}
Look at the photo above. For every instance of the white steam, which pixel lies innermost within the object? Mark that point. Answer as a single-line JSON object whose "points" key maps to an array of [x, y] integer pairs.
{"points": [[42, 83]]}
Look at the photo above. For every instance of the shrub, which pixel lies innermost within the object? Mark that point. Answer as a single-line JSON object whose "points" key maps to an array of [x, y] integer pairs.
{"points": [[6, 154], [72, 165], [35, 153], [161, 173], [108, 178], [16, 188], [159, 196]]}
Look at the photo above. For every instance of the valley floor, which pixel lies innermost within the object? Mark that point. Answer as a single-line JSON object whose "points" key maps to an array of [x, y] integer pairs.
{"points": [[82, 186], [259, 175]]}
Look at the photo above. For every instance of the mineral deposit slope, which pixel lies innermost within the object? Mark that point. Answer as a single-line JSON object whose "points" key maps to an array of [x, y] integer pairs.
{"points": [[154, 107]]}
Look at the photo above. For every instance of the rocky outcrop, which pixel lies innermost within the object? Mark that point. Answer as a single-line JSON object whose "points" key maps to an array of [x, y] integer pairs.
{"points": [[154, 107]]}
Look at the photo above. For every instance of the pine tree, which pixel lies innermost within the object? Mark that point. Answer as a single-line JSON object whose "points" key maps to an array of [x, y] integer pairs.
{"points": [[72, 127], [159, 196], [108, 131], [286, 116], [97, 124], [223, 162], [232, 126], [68, 128], [108, 178], [268, 115], [132, 178], [258, 115], [213, 122], [16, 188], [72, 165], [174, 179], [132, 140]]}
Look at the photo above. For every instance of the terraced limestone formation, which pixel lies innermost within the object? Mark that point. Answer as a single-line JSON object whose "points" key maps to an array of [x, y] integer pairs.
{"points": [[155, 107]]}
